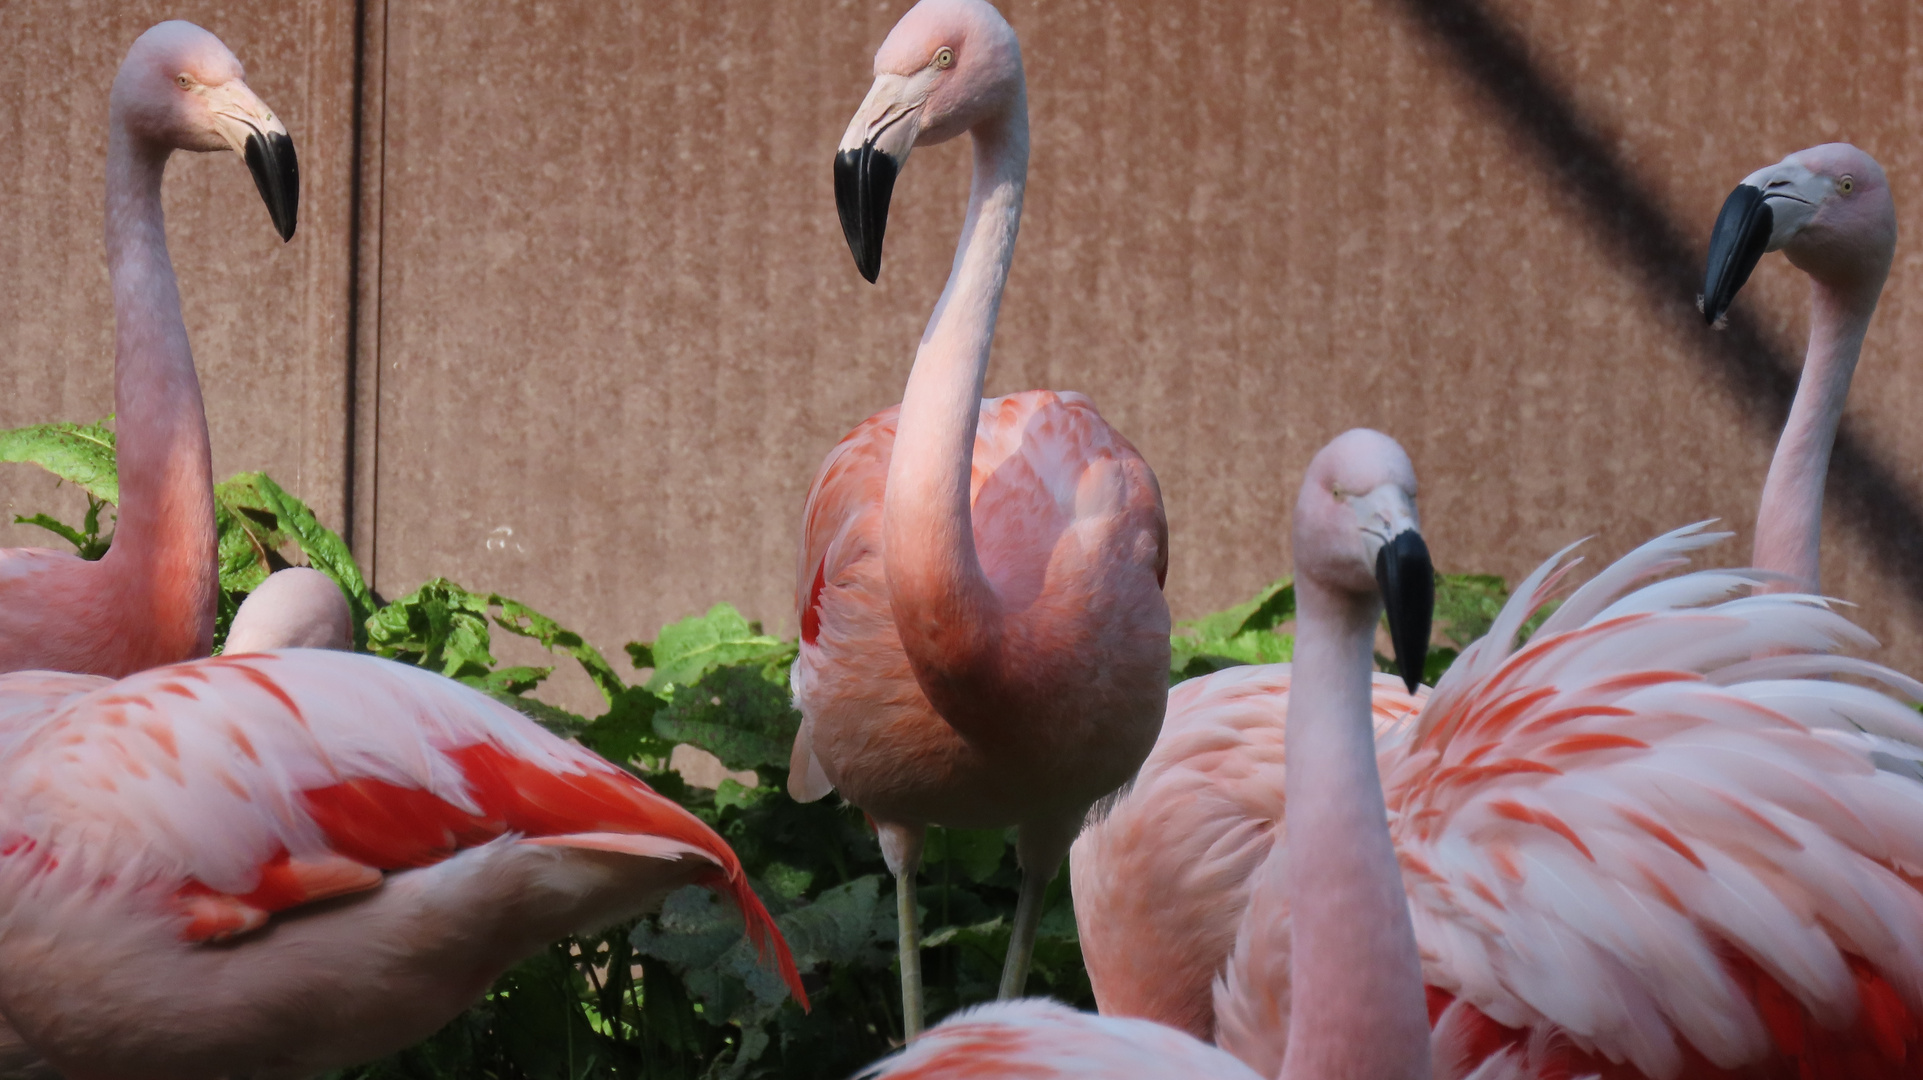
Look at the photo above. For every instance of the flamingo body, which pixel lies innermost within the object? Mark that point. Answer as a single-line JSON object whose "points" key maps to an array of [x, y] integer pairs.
{"points": [[1630, 848], [336, 853], [1069, 529]]}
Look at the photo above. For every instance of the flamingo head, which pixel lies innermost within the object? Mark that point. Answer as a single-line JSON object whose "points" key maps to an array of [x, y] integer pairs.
{"points": [[1827, 208], [948, 66], [181, 89], [1356, 533], [294, 608]]}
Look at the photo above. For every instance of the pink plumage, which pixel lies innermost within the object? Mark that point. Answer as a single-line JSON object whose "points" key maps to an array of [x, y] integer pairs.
{"points": [[150, 600], [1068, 528], [180, 828], [1660, 839]]}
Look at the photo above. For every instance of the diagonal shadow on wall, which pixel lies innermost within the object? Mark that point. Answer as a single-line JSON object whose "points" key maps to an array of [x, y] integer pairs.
{"points": [[1863, 490]]}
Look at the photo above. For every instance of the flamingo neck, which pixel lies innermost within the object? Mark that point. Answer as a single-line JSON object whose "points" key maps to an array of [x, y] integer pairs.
{"points": [[1789, 521], [1358, 1007], [163, 552], [946, 611]]}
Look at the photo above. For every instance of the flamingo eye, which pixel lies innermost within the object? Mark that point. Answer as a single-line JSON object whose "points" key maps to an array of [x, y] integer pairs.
{"points": [[184, 81], [1846, 185], [944, 58]]}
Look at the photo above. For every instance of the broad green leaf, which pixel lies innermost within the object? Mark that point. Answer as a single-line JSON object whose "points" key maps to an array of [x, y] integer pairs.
{"points": [[626, 731], [1243, 634], [255, 500], [518, 618], [439, 626], [512, 680], [736, 714], [81, 454], [698, 644], [250, 538]]}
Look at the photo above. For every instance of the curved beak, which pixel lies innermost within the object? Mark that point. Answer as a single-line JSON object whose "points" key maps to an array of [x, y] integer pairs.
{"points": [[259, 137], [871, 155], [1408, 582], [1403, 573], [1765, 211], [1736, 245]]}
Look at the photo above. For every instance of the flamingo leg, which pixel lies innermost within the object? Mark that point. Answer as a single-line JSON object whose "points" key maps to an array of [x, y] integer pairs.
{"points": [[910, 946], [1021, 943]]}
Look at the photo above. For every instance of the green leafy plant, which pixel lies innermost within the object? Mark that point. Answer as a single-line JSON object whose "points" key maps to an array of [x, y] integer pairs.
{"points": [[680, 993]]}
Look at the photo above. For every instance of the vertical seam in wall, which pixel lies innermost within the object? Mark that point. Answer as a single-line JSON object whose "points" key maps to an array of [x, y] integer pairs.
{"points": [[370, 145], [354, 185]]}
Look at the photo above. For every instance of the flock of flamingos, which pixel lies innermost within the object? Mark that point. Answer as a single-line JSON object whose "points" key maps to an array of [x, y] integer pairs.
{"points": [[1676, 833]]}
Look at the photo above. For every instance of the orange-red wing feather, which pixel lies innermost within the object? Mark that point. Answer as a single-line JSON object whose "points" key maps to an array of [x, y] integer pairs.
{"points": [[283, 779]]}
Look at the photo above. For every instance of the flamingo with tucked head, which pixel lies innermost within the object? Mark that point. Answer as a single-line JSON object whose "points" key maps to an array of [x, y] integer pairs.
{"points": [[150, 600], [1358, 1007], [285, 862], [1829, 210], [984, 641]]}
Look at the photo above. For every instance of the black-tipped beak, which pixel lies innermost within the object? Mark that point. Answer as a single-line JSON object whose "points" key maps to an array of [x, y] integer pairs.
{"points": [[1737, 244], [270, 157], [864, 180], [1408, 583]]}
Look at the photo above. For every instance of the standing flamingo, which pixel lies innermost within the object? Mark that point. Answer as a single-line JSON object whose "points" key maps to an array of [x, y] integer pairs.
{"points": [[1829, 209], [984, 641], [150, 599], [1360, 1012], [331, 854]]}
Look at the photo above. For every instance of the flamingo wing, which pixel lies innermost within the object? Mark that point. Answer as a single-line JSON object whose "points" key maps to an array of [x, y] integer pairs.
{"points": [[1162, 879], [253, 785], [1035, 1039], [1662, 830]]}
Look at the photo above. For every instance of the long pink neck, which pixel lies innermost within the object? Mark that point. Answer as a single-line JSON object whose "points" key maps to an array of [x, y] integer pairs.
{"points": [[948, 615], [163, 556], [1357, 1002], [1789, 522]]}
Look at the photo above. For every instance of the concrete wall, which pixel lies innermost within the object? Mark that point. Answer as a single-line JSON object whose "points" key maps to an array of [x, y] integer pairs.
{"points": [[570, 317]]}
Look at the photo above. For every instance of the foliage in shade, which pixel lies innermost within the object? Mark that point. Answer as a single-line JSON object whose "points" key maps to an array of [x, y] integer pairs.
{"points": [[678, 995], [1248, 633]]}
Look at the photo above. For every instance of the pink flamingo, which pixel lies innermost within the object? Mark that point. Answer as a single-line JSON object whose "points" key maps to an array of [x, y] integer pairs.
{"points": [[1658, 840], [295, 608], [333, 854], [150, 600], [1361, 1010], [984, 639], [1216, 774], [1829, 209]]}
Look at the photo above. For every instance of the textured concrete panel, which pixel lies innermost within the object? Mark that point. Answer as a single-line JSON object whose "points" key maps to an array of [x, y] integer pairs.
{"points": [[620, 328]]}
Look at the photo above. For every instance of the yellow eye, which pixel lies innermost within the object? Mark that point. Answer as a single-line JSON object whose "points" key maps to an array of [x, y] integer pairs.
{"points": [[184, 81], [1846, 185], [944, 57]]}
